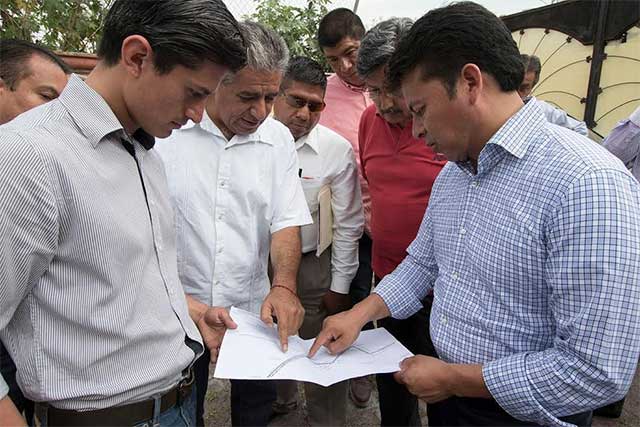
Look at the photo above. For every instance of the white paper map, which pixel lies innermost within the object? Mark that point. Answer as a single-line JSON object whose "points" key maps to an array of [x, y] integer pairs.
{"points": [[252, 351]]}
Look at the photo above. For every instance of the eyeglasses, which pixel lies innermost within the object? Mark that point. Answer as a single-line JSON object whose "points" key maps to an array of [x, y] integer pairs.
{"points": [[297, 102], [375, 92]]}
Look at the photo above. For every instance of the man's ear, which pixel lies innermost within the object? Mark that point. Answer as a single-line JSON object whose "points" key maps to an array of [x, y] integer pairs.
{"points": [[136, 54], [471, 82]]}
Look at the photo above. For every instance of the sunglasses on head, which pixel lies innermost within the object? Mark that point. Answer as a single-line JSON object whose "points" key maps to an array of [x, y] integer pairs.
{"points": [[297, 102]]}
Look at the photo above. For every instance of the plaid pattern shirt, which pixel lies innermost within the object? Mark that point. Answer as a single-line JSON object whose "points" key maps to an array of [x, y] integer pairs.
{"points": [[535, 265]]}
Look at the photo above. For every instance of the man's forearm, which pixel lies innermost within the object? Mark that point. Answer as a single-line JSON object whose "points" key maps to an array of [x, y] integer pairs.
{"points": [[370, 309], [285, 256], [9, 415], [467, 381]]}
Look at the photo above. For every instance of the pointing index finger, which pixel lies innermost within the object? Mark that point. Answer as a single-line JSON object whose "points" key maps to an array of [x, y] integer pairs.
{"points": [[284, 337], [323, 338]]}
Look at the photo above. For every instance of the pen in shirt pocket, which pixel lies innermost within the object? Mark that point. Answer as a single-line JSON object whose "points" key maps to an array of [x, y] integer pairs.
{"points": [[304, 177]]}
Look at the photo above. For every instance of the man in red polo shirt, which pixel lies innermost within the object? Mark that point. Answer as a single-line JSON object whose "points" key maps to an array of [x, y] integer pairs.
{"points": [[400, 170]]}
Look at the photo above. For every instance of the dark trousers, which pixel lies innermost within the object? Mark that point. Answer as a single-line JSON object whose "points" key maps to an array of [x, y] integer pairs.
{"points": [[458, 411], [361, 283], [8, 370], [251, 401], [398, 407]]}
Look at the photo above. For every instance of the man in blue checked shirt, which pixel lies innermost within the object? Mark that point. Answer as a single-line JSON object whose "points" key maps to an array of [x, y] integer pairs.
{"points": [[531, 243]]}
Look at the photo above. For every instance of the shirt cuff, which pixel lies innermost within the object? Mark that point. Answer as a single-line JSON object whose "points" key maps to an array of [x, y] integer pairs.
{"points": [[294, 222], [4, 388], [508, 383], [340, 284], [393, 293]]}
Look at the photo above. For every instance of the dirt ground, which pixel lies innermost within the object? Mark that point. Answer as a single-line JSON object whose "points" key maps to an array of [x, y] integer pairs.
{"points": [[217, 410]]}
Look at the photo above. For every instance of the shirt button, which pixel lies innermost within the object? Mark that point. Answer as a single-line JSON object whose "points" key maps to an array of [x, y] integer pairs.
{"points": [[220, 216], [220, 250], [443, 320], [463, 231], [454, 275], [222, 184], [475, 184]]}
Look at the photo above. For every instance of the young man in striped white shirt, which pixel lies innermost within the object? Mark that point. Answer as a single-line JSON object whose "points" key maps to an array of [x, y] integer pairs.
{"points": [[91, 307], [30, 75]]}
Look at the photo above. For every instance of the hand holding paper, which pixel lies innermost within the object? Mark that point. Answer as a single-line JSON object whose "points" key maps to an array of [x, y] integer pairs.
{"points": [[252, 351]]}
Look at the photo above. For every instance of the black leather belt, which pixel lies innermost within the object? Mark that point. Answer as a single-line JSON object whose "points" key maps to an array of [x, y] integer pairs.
{"points": [[125, 415]]}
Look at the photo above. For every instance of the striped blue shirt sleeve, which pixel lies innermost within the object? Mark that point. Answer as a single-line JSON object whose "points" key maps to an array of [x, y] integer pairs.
{"points": [[593, 262], [403, 289]]}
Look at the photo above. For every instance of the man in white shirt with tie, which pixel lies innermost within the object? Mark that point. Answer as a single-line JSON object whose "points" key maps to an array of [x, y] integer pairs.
{"points": [[327, 162], [237, 198]]}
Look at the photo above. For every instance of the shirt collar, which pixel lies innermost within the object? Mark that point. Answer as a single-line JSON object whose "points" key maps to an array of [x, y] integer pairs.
{"points": [[88, 110], [359, 89], [310, 139], [93, 115], [520, 131], [515, 137], [208, 125]]}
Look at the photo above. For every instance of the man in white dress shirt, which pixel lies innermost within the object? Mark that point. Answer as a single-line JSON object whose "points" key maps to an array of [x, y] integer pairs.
{"points": [[326, 161], [234, 183]]}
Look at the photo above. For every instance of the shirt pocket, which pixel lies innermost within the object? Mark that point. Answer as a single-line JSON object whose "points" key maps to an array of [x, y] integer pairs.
{"points": [[311, 187]]}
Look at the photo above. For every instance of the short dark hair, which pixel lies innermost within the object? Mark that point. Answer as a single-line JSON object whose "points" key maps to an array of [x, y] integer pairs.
{"points": [[14, 58], [304, 70], [532, 63], [338, 24], [447, 38], [180, 32]]}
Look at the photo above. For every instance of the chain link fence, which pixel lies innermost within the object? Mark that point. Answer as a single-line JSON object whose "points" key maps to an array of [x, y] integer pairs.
{"points": [[242, 8]]}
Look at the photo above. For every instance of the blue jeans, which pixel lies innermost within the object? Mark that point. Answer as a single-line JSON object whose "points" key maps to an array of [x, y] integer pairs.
{"points": [[181, 415]]}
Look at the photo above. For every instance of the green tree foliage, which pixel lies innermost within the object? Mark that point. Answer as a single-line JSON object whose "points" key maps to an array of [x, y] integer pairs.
{"points": [[63, 25], [297, 25]]}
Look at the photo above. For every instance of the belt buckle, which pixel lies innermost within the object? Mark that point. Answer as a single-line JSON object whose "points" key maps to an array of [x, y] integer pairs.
{"points": [[184, 386]]}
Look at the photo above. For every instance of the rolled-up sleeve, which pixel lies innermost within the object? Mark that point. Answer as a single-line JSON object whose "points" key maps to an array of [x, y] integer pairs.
{"points": [[593, 275], [290, 207], [348, 224], [405, 288], [28, 225]]}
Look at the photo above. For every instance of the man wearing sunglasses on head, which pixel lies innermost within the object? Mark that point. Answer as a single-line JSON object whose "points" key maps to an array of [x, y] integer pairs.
{"points": [[326, 161]]}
